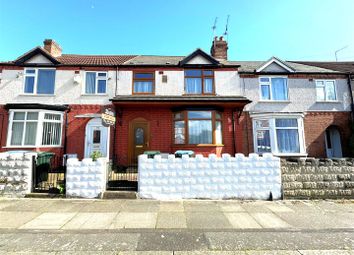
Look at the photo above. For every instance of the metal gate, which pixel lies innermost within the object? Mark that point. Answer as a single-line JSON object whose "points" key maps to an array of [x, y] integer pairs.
{"points": [[122, 176], [49, 174]]}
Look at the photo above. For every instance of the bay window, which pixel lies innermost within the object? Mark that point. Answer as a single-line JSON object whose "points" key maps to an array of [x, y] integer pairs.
{"points": [[199, 81], [39, 81], [326, 90], [96, 83], [34, 128], [273, 88], [197, 127], [281, 135]]}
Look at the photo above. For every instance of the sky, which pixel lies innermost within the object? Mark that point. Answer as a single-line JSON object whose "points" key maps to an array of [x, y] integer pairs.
{"points": [[257, 30]]}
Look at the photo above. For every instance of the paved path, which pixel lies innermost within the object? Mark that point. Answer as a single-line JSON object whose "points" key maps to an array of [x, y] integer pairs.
{"points": [[68, 225]]}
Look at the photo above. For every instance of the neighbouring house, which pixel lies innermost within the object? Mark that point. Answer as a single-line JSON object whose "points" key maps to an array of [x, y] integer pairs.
{"points": [[51, 101]]}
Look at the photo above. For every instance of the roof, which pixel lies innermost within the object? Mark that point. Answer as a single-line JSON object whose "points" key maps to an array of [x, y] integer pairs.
{"points": [[251, 66], [101, 60], [346, 67]]}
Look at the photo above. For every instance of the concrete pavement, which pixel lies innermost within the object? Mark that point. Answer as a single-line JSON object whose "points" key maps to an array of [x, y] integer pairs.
{"points": [[69, 225]]}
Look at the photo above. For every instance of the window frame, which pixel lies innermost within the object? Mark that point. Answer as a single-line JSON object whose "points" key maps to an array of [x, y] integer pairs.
{"points": [[202, 77], [325, 91], [144, 79], [35, 75], [269, 83], [273, 133], [97, 78], [185, 118], [39, 134]]}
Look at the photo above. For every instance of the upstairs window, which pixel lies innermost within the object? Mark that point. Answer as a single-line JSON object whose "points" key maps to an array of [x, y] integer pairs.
{"points": [[273, 88], [96, 83], [143, 83], [326, 90], [199, 82], [39, 81]]}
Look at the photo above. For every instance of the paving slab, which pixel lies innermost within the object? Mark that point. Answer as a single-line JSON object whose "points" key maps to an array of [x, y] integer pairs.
{"points": [[90, 221], [273, 253], [134, 220], [207, 220], [173, 206], [30, 205], [200, 206], [4, 203], [59, 206], [210, 253], [325, 252], [16, 219], [140, 206], [48, 221], [278, 207], [270, 220], [171, 219], [255, 207], [230, 206], [102, 206], [145, 253], [242, 220]]}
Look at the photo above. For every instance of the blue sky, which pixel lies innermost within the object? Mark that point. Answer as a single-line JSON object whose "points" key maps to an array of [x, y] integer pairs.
{"points": [[288, 29]]}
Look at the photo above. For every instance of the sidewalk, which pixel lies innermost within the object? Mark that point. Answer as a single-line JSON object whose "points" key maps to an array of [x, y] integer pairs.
{"points": [[59, 226]]}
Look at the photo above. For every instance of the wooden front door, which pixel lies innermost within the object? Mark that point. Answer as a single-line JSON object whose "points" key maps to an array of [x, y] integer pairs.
{"points": [[139, 139]]}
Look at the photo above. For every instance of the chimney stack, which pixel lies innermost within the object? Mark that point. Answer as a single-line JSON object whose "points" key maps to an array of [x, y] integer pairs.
{"points": [[52, 47], [219, 48]]}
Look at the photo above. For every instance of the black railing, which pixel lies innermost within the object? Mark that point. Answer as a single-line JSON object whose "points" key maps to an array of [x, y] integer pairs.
{"points": [[122, 175], [49, 174]]}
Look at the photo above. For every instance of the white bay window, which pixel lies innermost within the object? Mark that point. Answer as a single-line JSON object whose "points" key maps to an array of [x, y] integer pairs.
{"points": [[34, 128], [280, 135]]}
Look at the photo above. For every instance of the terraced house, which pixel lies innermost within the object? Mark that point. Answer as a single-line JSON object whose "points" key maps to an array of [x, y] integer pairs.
{"points": [[51, 101]]}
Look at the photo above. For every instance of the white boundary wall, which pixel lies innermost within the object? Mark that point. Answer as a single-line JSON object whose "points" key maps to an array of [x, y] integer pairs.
{"points": [[86, 178], [16, 174], [241, 177]]}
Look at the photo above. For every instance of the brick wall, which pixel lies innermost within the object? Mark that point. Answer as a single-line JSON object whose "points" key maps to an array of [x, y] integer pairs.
{"points": [[314, 178]]}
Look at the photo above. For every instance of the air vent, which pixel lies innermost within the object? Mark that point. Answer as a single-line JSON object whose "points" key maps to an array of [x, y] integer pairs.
{"points": [[164, 78]]}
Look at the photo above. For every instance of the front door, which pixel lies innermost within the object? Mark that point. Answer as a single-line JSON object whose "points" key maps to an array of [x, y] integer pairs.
{"points": [[139, 139], [96, 138], [333, 143]]}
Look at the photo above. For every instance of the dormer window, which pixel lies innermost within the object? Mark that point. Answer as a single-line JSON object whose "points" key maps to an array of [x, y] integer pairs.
{"points": [[39, 81], [143, 83], [199, 82]]}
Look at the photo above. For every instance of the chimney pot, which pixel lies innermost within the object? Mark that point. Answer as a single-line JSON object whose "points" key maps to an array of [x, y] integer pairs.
{"points": [[52, 47]]}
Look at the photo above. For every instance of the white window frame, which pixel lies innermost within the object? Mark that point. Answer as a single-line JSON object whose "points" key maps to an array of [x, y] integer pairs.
{"points": [[35, 75], [39, 135], [273, 135], [325, 91], [269, 83], [96, 83]]}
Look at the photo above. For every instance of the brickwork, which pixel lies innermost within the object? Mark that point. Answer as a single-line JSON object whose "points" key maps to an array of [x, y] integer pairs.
{"points": [[314, 178]]}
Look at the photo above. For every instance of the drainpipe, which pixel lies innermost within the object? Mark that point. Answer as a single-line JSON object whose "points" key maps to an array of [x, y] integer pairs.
{"points": [[351, 96], [233, 132], [66, 130], [116, 92]]}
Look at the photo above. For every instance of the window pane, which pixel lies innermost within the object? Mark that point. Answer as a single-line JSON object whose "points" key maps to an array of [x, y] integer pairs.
{"points": [[179, 115], [29, 84], [286, 123], [330, 91], [51, 133], [46, 80], [139, 136], [199, 115], [32, 115], [264, 79], [179, 132], [217, 115], [208, 73], [51, 116], [96, 136], [263, 141], [208, 85], [143, 75], [288, 141], [101, 86], [265, 92], [143, 87], [90, 83], [279, 89], [102, 75], [320, 94], [31, 133], [30, 71], [200, 131], [218, 132], [17, 133], [193, 85], [193, 73], [262, 123], [19, 115]]}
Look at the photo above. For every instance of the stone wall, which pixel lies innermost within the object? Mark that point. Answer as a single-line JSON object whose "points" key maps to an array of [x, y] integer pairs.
{"points": [[211, 177], [314, 178], [86, 178], [15, 174]]}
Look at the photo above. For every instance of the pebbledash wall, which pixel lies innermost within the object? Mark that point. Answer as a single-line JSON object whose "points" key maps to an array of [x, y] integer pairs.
{"points": [[210, 177], [318, 179]]}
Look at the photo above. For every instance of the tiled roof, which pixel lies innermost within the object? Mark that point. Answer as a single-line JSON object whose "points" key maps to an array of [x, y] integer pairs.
{"points": [[347, 66], [155, 60], [104, 60]]}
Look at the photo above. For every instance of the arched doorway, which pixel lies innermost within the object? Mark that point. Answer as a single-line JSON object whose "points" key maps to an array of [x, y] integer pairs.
{"points": [[96, 138], [333, 142]]}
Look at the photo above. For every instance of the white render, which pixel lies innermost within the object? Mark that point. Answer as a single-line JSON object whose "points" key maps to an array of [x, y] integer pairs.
{"points": [[86, 178], [239, 177], [16, 174], [302, 97]]}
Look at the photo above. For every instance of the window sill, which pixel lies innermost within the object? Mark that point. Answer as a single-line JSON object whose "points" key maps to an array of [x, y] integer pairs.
{"points": [[190, 95], [37, 95], [31, 147], [329, 102], [275, 101], [94, 95], [198, 145]]}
